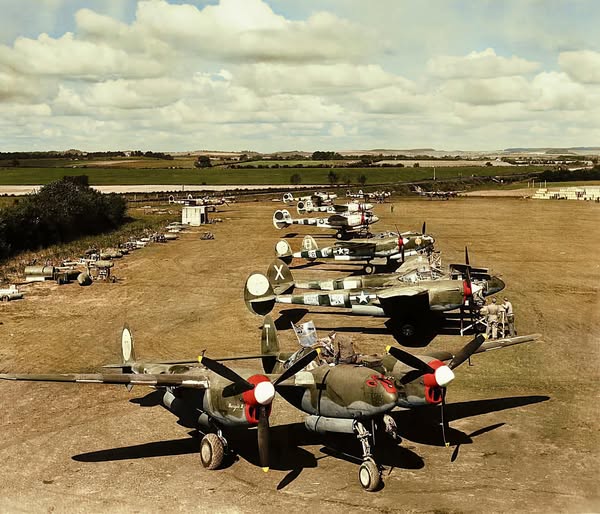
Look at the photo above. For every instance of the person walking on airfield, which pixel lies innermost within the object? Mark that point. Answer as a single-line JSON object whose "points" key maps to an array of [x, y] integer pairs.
{"points": [[510, 317]]}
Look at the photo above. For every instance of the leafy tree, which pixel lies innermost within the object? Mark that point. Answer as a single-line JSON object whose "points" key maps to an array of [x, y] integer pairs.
{"points": [[332, 176], [362, 179], [203, 162]]}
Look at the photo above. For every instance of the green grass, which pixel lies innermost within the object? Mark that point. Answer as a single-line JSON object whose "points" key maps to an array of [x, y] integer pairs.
{"points": [[221, 176]]}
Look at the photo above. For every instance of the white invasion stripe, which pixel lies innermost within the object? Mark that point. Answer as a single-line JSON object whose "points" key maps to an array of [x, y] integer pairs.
{"points": [[343, 258], [284, 299], [89, 380]]}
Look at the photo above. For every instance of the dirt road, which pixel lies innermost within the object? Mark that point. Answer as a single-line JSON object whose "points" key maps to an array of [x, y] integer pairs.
{"points": [[527, 417]]}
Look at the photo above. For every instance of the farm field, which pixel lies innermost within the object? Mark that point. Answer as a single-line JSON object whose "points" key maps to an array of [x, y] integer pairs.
{"points": [[526, 417], [216, 175]]}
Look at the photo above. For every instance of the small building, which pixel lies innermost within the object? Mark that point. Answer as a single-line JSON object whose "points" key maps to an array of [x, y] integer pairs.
{"points": [[194, 215]]}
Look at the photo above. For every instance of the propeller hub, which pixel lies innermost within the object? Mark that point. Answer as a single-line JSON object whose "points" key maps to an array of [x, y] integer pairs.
{"points": [[264, 392], [443, 376]]}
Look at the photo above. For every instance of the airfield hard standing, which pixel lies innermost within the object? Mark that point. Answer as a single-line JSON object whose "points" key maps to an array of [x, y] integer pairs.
{"points": [[505, 458]]}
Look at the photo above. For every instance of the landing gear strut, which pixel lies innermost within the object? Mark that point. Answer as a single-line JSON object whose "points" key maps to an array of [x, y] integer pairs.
{"points": [[369, 475]]}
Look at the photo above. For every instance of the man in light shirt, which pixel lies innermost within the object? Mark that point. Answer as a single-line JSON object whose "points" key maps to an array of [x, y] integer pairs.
{"points": [[510, 317]]}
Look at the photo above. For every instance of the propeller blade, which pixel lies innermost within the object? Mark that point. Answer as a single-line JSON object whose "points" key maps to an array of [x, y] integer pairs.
{"points": [[224, 371], [409, 359], [466, 351], [424, 227], [443, 407], [402, 253], [236, 388], [297, 366], [263, 438], [467, 256]]}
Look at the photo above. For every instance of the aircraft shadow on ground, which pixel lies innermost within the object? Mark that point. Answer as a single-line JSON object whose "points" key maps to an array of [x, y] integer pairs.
{"points": [[420, 425], [423, 425]]}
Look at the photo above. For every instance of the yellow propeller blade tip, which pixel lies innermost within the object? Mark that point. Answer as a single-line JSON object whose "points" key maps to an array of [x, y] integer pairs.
{"points": [[447, 445], [200, 359], [319, 350], [387, 348], [265, 469]]}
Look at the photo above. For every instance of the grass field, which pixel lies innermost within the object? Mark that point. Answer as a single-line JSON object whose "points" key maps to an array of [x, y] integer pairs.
{"points": [[217, 176]]}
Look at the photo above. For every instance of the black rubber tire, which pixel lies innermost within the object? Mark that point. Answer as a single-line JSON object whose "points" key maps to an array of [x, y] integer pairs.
{"points": [[340, 236], [369, 476], [369, 269], [211, 451], [5, 298]]}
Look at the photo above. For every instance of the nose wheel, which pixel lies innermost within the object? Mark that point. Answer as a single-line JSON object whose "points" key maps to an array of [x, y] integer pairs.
{"points": [[369, 475], [212, 450]]}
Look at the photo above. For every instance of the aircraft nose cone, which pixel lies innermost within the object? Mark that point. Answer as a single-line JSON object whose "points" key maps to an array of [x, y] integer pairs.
{"points": [[374, 219], [495, 285], [443, 376], [264, 392]]}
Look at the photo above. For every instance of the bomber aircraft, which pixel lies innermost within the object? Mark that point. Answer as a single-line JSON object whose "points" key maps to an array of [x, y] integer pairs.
{"points": [[445, 195], [387, 249], [408, 305], [344, 224], [356, 398], [205, 395]]}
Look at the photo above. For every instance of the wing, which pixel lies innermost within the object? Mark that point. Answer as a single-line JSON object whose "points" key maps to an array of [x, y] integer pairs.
{"points": [[495, 344], [162, 380], [402, 301]]}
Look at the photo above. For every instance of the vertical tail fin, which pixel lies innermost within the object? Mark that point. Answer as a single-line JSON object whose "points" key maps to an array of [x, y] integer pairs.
{"points": [[127, 348], [280, 277], [309, 243], [269, 344], [281, 219], [283, 250], [258, 294]]}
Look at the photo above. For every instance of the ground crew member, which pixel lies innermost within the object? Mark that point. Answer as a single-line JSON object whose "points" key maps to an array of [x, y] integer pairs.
{"points": [[510, 317], [345, 352], [492, 310]]}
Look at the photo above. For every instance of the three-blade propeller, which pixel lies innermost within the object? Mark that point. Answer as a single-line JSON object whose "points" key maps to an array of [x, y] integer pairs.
{"points": [[264, 392]]}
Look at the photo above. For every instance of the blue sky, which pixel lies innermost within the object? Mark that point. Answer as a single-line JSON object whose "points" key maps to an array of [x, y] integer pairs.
{"points": [[273, 75]]}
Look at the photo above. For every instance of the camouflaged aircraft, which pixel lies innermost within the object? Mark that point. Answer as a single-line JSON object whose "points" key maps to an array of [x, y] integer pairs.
{"points": [[445, 195], [318, 198], [408, 305], [309, 206], [387, 249], [204, 394], [345, 224], [379, 196], [356, 397]]}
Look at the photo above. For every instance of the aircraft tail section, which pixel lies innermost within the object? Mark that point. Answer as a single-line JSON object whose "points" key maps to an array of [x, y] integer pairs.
{"points": [[269, 344], [304, 206], [283, 250], [127, 348], [282, 219], [280, 277], [258, 294], [309, 244]]}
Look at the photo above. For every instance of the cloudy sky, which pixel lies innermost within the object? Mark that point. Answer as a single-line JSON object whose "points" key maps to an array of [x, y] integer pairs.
{"points": [[272, 75]]}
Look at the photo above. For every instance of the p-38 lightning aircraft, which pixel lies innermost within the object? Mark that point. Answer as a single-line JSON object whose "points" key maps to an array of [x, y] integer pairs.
{"points": [[318, 198], [356, 398], [344, 224], [387, 249], [409, 305], [308, 206], [204, 394], [445, 195]]}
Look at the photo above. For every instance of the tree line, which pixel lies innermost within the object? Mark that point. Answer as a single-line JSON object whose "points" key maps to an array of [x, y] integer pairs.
{"points": [[60, 212]]}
